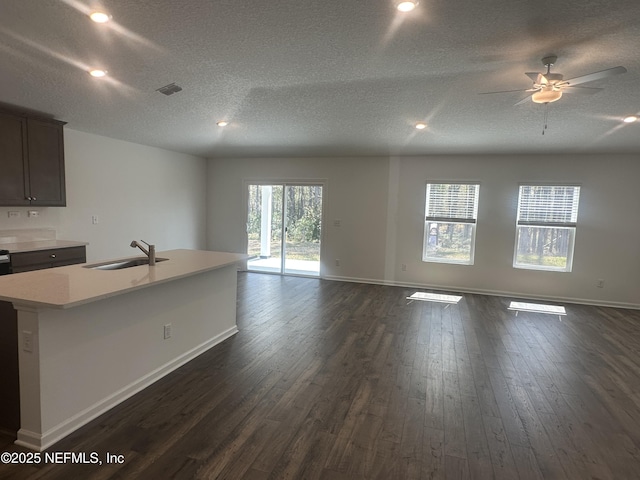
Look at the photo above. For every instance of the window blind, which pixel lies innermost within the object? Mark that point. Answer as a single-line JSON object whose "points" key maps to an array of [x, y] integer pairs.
{"points": [[548, 205], [452, 202]]}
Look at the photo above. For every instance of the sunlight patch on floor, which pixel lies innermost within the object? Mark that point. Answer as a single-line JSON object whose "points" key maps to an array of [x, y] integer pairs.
{"points": [[435, 297], [537, 308]]}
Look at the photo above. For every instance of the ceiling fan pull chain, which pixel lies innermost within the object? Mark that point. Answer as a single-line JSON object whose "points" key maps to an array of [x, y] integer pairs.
{"points": [[546, 116]]}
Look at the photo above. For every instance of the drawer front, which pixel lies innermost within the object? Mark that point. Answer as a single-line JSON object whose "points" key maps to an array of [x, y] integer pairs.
{"points": [[47, 258]]}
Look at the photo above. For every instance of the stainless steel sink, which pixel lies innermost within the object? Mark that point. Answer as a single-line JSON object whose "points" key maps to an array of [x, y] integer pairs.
{"points": [[120, 264]]}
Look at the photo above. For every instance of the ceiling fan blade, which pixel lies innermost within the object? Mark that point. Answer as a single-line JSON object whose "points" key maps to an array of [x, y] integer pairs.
{"points": [[587, 90], [533, 76], [524, 100], [505, 91], [592, 77]]}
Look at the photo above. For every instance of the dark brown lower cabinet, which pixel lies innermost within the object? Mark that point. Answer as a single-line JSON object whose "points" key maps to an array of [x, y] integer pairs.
{"points": [[41, 259], [9, 381], [9, 376]]}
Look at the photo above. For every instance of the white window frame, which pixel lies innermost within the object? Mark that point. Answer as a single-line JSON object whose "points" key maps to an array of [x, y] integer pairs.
{"points": [[471, 220], [569, 224]]}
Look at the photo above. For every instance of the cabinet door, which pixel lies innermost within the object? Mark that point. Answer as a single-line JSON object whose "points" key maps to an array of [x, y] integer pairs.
{"points": [[9, 377], [13, 166], [46, 163]]}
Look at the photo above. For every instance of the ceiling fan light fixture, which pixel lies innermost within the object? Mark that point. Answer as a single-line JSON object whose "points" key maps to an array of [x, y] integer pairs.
{"points": [[630, 119], [546, 95], [406, 5], [421, 126]]}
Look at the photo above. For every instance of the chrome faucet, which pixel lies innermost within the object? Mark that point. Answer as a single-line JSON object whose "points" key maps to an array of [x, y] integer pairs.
{"points": [[151, 253]]}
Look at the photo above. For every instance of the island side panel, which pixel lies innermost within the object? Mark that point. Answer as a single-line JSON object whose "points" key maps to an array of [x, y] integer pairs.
{"points": [[92, 357]]}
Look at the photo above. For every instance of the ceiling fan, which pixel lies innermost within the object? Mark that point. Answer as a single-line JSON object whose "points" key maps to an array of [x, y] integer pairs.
{"points": [[549, 87]]}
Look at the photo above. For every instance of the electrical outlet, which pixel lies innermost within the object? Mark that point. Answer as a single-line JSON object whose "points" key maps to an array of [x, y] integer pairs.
{"points": [[337, 262], [13, 214], [404, 267], [600, 283], [167, 331], [27, 341], [94, 219], [34, 213], [337, 223]]}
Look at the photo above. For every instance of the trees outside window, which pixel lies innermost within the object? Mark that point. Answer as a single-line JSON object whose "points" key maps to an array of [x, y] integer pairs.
{"points": [[546, 227], [302, 214], [450, 222]]}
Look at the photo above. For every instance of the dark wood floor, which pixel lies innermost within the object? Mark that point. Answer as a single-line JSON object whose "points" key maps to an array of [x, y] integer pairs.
{"points": [[336, 381]]}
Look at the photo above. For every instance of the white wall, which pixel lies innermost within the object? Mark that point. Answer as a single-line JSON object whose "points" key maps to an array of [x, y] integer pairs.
{"points": [[356, 194], [606, 244], [137, 192], [380, 202]]}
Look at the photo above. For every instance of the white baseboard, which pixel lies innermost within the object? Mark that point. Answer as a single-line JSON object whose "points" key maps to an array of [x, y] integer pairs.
{"points": [[40, 442], [496, 293]]}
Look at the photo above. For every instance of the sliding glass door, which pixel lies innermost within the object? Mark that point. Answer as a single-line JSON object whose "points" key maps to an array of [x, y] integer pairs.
{"points": [[284, 228], [264, 228]]}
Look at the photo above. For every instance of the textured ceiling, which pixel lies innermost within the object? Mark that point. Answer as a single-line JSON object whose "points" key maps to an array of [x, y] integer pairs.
{"points": [[311, 77]]}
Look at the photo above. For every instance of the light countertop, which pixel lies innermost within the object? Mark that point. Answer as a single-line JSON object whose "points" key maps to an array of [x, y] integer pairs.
{"points": [[21, 247], [70, 286]]}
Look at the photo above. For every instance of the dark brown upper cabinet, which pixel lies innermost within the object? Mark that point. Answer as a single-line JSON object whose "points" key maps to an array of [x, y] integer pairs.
{"points": [[31, 161]]}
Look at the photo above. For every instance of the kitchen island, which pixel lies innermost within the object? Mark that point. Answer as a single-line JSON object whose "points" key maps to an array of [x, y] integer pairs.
{"points": [[89, 338]]}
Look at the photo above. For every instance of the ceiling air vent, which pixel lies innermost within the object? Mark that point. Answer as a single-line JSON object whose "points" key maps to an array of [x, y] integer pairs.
{"points": [[169, 89]]}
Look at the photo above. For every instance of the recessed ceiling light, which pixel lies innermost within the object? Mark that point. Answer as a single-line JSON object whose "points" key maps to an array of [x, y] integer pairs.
{"points": [[100, 17], [222, 123], [630, 119], [421, 125], [406, 5], [98, 73]]}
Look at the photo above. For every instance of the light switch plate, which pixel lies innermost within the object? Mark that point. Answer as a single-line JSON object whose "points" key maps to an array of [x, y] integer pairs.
{"points": [[27, 341]]}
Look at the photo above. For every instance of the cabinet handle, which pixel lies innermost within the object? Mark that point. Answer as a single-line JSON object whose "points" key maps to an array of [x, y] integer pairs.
{"points": [[53, 255], [27, 198], [33, 198]]}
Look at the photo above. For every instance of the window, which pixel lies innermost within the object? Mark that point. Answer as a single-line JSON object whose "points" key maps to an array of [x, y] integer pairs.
{"points": [[450, 223], [546, 227]]}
